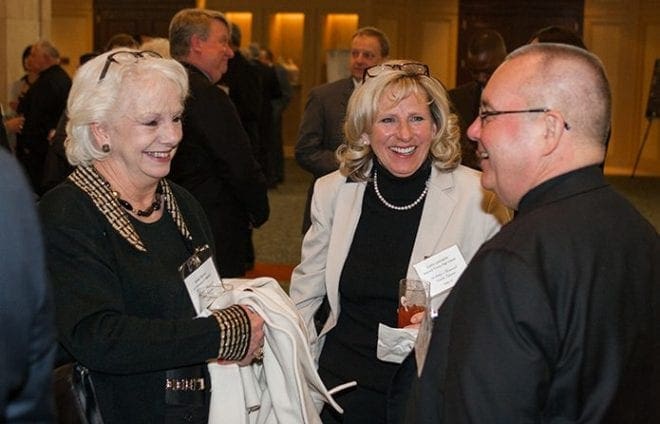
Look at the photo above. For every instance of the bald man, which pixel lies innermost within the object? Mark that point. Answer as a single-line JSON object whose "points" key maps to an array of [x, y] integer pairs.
{"points": [[555, 319]]}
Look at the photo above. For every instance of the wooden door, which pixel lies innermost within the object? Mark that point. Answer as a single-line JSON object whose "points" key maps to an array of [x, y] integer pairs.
{"points": [[144, 18]]}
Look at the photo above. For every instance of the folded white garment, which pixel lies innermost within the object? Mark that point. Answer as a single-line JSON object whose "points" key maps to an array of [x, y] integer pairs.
{"points": [[286, 387]]}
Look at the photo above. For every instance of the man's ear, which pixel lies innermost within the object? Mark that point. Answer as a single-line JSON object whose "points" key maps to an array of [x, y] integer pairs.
{"points": [[554, 130], [195, 42]]}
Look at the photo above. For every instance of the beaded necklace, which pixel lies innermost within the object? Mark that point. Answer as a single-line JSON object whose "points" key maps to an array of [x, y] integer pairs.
{"points": [[155, 205], [395, 207]]}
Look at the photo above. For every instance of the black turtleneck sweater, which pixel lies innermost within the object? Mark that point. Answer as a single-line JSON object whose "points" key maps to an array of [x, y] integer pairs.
{"points": [[368, 287]]}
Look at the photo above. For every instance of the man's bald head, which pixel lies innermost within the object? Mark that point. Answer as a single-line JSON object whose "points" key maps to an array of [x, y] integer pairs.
{"points": [[571, 80]]}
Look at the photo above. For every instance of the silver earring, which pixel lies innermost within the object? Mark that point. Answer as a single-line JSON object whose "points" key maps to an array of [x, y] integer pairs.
{"points": [[106, 148]]}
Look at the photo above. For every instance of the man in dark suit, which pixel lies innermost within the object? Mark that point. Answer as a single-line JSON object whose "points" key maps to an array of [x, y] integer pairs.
{"points": [[270, 90], [242, 82], [486, 50], [27, 328], [556, 318], [278, 104], [42, 107], [214, 160], [321, 128]]}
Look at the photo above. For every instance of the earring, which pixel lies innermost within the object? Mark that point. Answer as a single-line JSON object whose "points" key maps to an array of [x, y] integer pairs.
{"points": [[364, 140], [106, 148]]}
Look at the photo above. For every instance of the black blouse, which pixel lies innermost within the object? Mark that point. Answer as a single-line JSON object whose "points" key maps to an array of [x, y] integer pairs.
{"points": [[368, 287]]}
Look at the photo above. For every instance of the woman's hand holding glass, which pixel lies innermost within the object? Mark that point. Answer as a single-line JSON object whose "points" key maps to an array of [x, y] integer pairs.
{"points": [[413, 302]]}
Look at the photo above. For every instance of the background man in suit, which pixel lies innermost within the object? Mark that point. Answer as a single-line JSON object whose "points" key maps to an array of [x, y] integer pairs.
{"points": [[42, 107], [321, 128], [279, 104], [27, 328], [486, 50], [241, 80], [556, 317], [214, 160]]}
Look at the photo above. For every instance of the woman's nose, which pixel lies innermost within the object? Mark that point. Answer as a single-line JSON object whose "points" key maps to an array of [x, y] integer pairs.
{"points": [[404, 131], [172, 132]]}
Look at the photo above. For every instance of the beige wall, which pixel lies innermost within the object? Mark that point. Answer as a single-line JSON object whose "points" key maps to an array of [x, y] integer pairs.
{"points": [[626, 36], [72, 30], [624, 33], [22, 22]]}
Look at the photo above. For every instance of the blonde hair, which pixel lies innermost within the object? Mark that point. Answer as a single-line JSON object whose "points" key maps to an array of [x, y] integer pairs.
{"points": [[355, 155]]}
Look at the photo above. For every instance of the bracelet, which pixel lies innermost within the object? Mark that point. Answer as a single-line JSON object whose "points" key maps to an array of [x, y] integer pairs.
{"points": [[235, 332]]}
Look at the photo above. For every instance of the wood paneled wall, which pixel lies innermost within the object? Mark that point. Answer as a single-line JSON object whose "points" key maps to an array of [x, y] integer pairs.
{"points": [[624, 33]]}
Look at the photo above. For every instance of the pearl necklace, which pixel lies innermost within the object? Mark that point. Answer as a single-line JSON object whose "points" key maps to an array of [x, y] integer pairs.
{"points": [[395, 207]]}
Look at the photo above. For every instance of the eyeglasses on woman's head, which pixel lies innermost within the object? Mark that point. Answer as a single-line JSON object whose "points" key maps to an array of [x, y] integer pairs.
{"points": [[126, 56], [409, 68]]}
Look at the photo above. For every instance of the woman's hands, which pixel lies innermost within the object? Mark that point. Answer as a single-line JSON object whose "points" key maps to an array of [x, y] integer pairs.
{"points": [[416, 320], [255, 349], [236, 323]]}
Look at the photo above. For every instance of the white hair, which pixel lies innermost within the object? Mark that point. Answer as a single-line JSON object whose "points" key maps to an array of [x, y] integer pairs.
{"points": [[92, 100]]}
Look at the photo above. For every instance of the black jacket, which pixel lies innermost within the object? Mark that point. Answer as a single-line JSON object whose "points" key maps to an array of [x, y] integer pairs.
{"points": [[215, 163], [554, 320]]}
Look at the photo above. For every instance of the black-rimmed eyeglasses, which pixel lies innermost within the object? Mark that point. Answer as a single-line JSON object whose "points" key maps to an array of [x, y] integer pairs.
{"points": [[126, 56], [409, 68], [484, 114]]}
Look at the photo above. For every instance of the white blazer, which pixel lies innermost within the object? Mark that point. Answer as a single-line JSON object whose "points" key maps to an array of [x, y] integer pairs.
{"points": [[457, 211]]}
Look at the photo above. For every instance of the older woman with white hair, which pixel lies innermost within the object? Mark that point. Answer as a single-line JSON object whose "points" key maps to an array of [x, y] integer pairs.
{"points": [[399, 197], [116, 233]]}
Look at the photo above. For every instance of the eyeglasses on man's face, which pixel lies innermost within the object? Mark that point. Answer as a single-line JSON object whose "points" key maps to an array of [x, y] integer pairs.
{"points": [[126, 56], [485, 114], [409, 68]]}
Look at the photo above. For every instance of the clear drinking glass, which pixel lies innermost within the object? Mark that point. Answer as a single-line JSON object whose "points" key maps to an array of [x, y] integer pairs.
{"points": [[413, 299]]}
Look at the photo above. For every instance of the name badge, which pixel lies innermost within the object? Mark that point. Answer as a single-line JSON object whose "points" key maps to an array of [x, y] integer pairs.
{"points": [[199, 275], [442, 269]]}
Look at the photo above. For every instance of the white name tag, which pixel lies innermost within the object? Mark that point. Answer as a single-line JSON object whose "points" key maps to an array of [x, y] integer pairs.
{"points": [[202, 278], [442, 269], [199, 273]]}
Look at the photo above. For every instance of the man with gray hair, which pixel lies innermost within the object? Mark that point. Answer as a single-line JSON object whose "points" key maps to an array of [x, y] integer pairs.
{"points": [[555, 318], [42, 107], [214, 159], [321, 128]]}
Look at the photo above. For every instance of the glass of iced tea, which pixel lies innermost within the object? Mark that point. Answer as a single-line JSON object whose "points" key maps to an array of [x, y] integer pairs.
{"points": [[413, 298]]}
